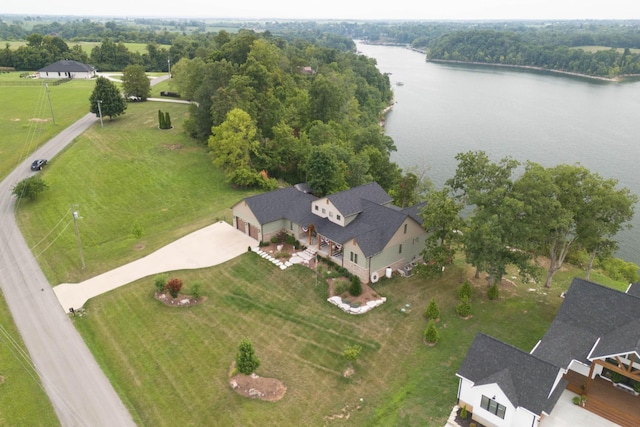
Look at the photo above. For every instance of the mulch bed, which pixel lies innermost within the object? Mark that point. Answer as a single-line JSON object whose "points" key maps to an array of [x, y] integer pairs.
{"points": [[466, 422]]}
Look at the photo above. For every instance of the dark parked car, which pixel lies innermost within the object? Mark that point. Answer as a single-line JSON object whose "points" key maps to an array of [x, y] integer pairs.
{"points": [[37, 165]]}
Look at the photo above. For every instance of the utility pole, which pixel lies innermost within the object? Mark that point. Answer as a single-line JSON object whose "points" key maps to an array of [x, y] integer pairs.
{"points": [[46, 85], [100, 111], [76, 215]]}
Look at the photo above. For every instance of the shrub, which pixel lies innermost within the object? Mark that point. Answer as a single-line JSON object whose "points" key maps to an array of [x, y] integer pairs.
{"points": [[174, 286], [290, 239], [274, 239], [351, 352], [195, 289], [493, 292], [463, 412], [576, 400], [431, 334], [464, 308], [29, 187], [432, 312], [246, 360], [340, 287], [465, 290], [356, 287], [160, 281]]}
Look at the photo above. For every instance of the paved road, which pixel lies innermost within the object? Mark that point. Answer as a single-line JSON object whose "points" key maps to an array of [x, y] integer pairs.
{"points": [[78, 389]]}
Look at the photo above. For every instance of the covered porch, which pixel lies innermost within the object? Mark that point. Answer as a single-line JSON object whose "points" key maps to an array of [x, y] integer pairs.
{"points": [[324, 246], [606, 400]]}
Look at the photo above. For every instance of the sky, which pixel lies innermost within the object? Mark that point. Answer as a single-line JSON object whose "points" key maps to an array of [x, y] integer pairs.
{"points": [[335, 9]]}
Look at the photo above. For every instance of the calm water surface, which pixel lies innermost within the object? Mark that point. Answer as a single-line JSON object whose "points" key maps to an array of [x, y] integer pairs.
{"points": [[442, 110]]}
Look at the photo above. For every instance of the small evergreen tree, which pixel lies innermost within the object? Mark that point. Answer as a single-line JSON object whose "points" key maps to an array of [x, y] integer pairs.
{"points": [[465, 290], [464, 308], [493, 292], [432, 312], [160, 119], [174, 285], [246, 360], [167, 120], [431, 334], [356, 287]]}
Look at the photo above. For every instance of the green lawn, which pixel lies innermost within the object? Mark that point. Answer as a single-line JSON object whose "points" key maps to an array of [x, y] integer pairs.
{"points": [[136, 188], [170, 365], [23, 402], [27, 117]]}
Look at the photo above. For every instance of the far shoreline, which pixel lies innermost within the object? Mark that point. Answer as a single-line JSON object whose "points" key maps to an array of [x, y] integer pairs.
{"points": [[617, 79]]}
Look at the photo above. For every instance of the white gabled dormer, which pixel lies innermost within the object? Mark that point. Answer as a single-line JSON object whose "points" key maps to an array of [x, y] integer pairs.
{"points": [[325, 209]]}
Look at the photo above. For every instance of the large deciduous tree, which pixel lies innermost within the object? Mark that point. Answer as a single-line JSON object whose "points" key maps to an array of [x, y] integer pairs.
{"points": [[485, 187], [567, 205], [135, 82], [106, 93]]}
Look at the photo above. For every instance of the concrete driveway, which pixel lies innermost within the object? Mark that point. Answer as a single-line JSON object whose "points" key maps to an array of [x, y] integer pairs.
{"points": [[207, 247]]}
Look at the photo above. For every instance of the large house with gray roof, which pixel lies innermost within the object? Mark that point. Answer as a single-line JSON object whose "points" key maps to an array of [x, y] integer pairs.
{"points": [[360, 228], [594, 342], [67, 69]]}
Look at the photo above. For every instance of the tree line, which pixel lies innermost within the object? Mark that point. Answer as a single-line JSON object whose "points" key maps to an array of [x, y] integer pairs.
{"points": [[509, 48], [272, 110], [515, 213]]}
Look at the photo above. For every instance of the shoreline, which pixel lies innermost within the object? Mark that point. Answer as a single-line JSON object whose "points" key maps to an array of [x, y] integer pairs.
{"points": [[616, 79]]}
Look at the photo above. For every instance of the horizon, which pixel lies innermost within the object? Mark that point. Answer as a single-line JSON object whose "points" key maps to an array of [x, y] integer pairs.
{"points": [[376, 10]]}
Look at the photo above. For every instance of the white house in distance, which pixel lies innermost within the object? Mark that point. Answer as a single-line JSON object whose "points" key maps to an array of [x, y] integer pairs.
{"points": [[592, 349], [359, 229], [67, 69]]}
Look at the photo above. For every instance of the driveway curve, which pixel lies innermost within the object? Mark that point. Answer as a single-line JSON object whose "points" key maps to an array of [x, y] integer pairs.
{"points": [[206, 247]]}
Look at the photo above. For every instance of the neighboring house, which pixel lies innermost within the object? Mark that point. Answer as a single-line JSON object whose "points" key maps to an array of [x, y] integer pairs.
{"points": [[505, 386], [67, 69], [594, 340], [360, 229]]}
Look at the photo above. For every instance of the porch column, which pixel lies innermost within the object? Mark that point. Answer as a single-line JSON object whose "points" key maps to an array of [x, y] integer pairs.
{"points": [[586, 386]]}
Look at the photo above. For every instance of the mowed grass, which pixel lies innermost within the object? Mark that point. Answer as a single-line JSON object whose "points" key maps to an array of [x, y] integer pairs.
{"points": [[136, 188], [171, 365], [28, 119], [23, 402]]}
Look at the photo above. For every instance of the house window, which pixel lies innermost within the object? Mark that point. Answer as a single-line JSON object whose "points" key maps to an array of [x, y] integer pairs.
{"points": [[405, 228], [354, 258], [324, 211], [331, 214], [492, 406], [290, 225], [338, 217], [316, 207], [400, 249]]}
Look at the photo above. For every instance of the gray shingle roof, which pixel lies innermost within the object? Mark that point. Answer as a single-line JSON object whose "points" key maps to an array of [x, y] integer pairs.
{"points": [[68, 66], [348, 201], [374, 226], [525, 379], [588, 312], [634, 289], [282, 203]]}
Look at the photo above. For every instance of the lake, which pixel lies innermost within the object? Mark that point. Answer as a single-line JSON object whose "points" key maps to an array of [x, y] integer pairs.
{"points": [[550, 119]]}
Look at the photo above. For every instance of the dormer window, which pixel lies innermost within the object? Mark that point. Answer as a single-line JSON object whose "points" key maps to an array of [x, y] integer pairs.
{"points": [[405, 228]]}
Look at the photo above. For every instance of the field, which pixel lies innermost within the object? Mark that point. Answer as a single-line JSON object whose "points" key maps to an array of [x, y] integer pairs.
{"points": [[86, 46], [30, 119], [592, 49]]}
